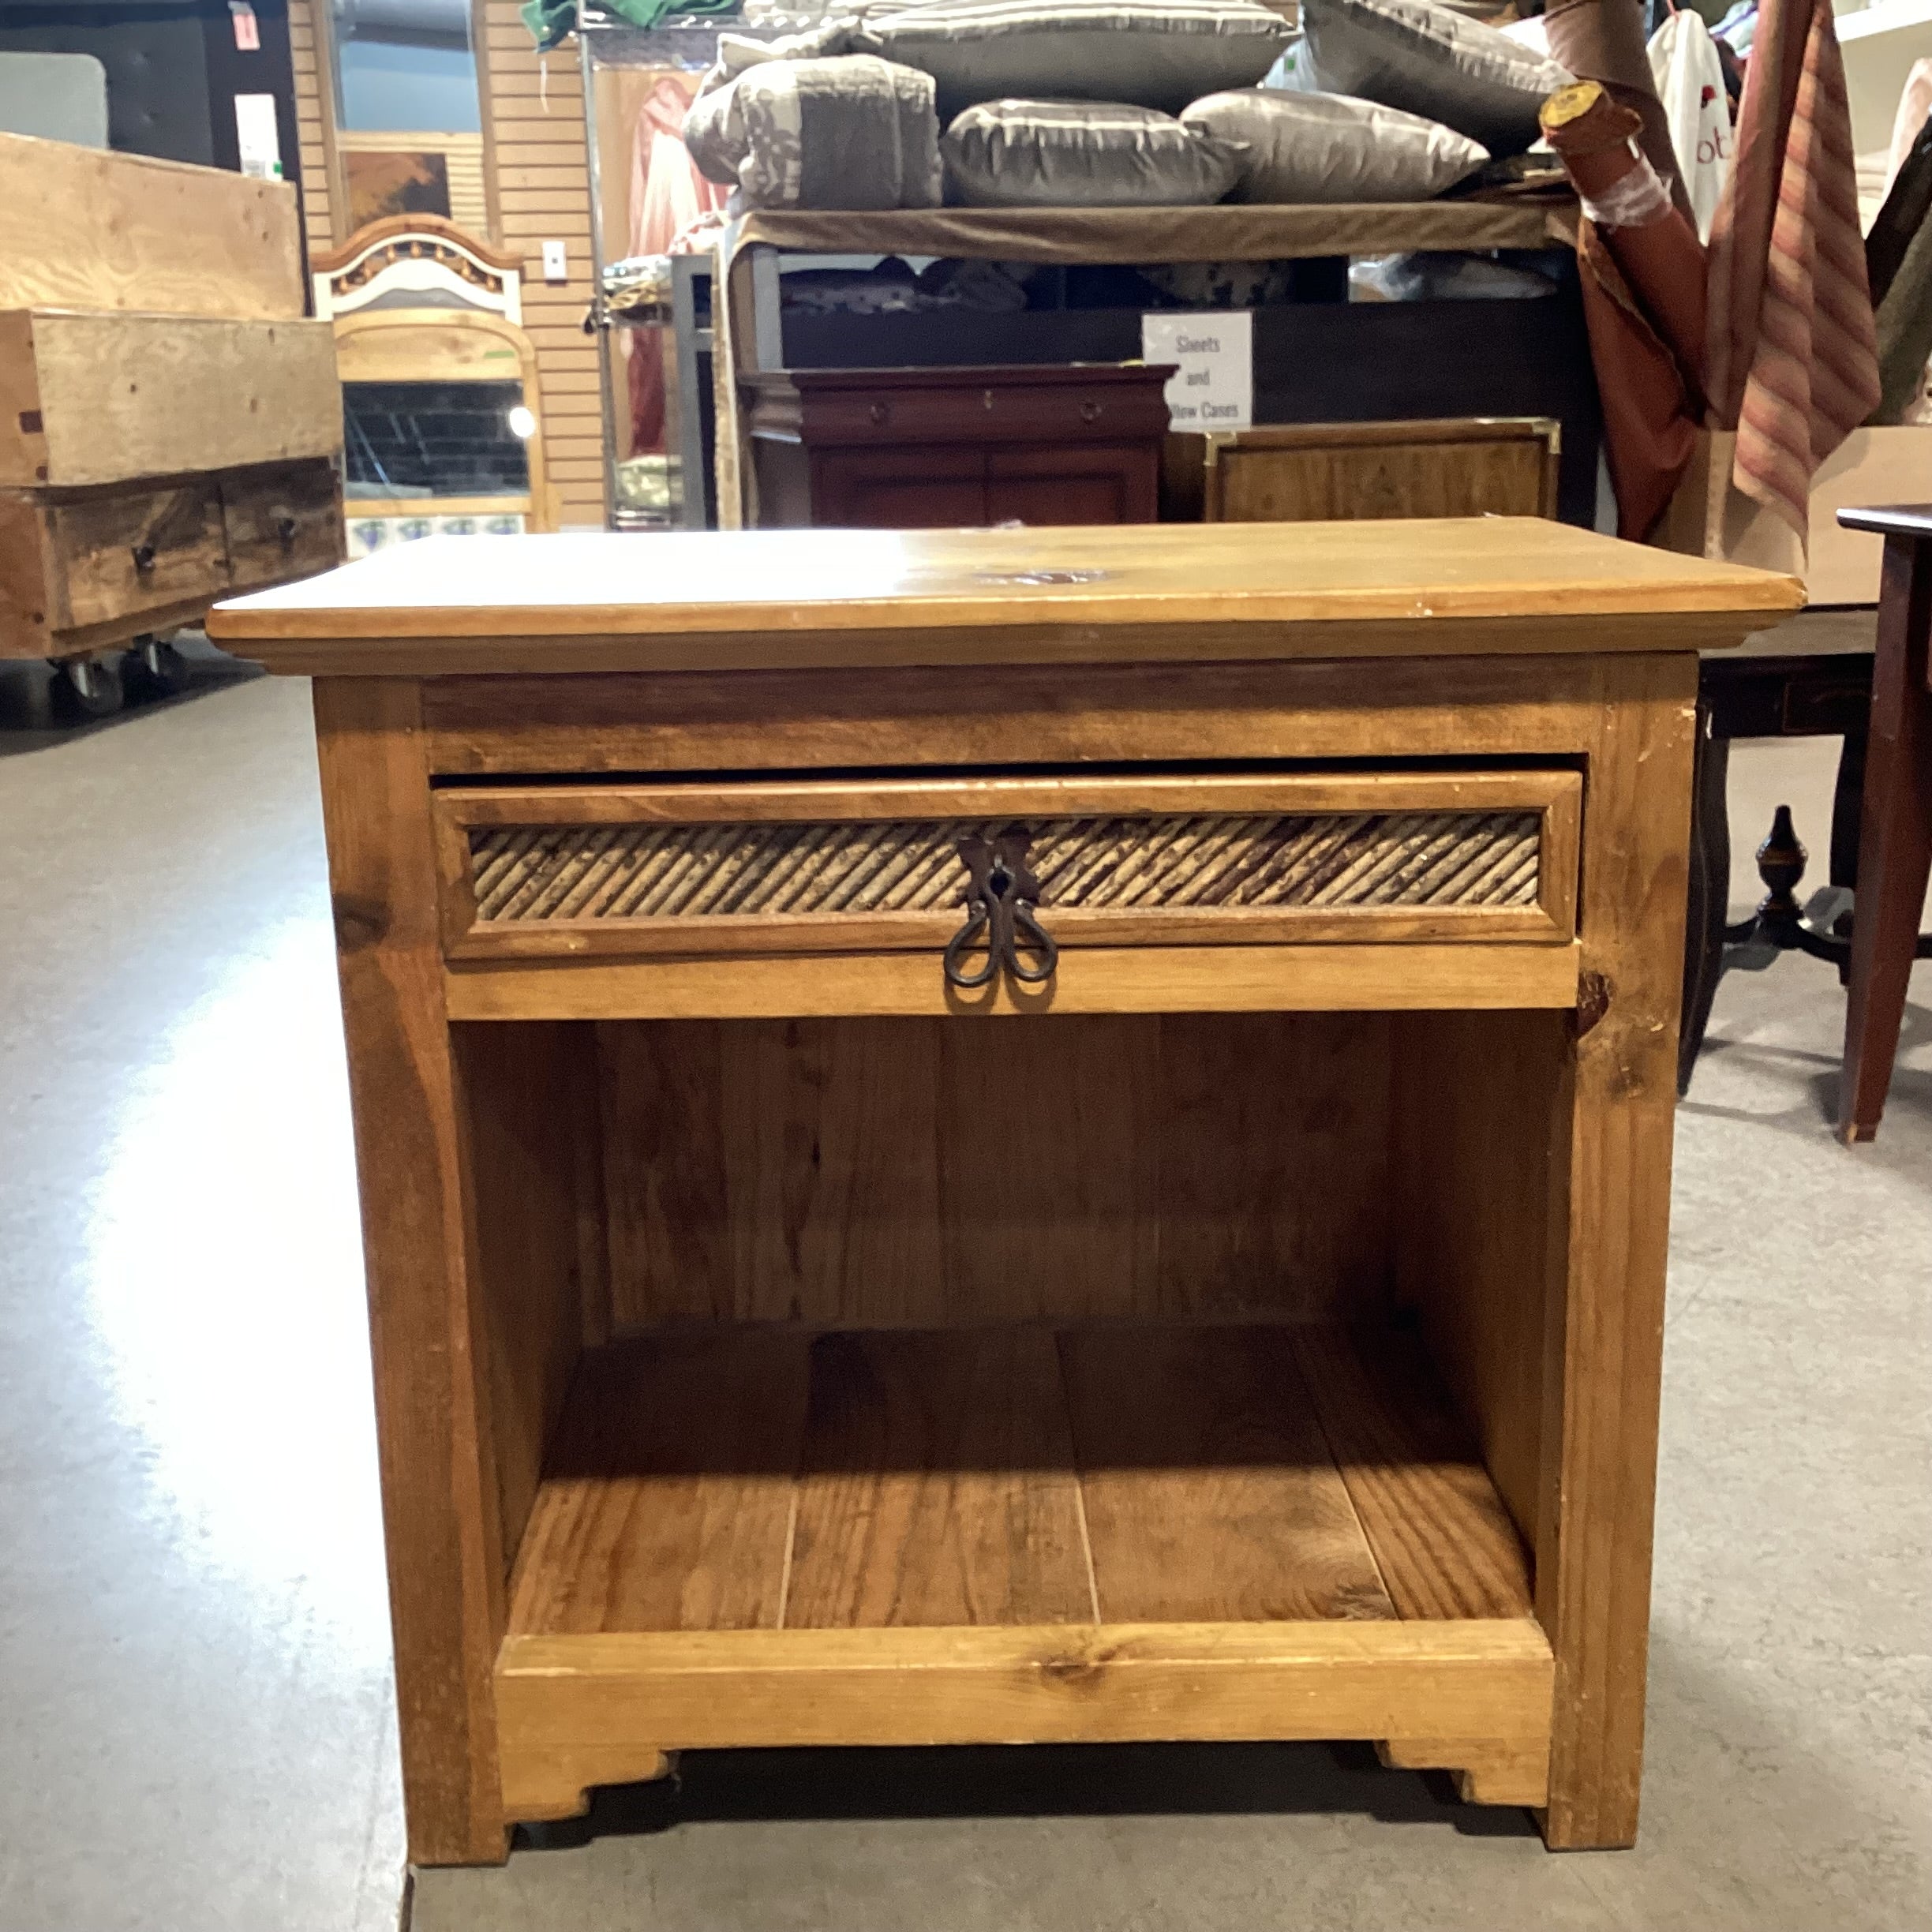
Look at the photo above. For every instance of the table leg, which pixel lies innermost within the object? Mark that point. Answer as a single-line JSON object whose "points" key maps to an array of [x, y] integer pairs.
{"points": [[1895, 845], [1709, 892], [439, 1514], [1605, 1347], [1848, 810]]}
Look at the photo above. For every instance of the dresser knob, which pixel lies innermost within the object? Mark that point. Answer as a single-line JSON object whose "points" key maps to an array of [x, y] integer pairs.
{"points": [[1090, 412], [881, 412], [144, 557], [284, 528], [986, 399]]}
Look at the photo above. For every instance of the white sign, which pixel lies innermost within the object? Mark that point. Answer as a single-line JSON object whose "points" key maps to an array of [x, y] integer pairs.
{"points": [[1214, 387], [255, 136]]}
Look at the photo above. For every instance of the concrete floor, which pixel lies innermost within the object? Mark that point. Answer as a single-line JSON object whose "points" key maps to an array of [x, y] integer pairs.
{"points": [[195, 1722]]}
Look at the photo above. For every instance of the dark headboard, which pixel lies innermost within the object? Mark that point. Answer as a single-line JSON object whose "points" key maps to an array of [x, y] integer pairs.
{"points": [[172, 69]]}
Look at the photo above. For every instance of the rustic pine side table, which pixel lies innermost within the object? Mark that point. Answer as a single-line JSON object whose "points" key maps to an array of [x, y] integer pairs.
{"points": [[1008, 1135]]}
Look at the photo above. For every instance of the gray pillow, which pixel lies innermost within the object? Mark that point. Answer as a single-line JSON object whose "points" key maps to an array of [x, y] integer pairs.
{"points": [[1154, 53], [1082, 154], [846, 132], [1304, 147], [1429, 60]]}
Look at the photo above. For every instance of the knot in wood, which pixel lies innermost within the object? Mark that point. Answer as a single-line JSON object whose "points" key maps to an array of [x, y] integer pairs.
{"points": [[1592, 1001], [359, 922]]}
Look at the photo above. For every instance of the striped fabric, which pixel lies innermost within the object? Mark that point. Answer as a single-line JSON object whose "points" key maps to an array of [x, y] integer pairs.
{"points": [[1793, 360]]}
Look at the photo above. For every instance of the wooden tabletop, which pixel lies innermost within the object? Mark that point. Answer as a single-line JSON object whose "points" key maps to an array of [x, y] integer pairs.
{"points": [[750, 599]]}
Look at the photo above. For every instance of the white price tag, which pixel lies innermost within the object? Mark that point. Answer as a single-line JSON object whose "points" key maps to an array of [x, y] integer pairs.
{"points": [[255, 135], [1214, 387]]}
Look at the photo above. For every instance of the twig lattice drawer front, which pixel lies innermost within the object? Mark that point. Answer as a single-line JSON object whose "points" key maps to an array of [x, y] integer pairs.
{"points": [[1373, 857]]}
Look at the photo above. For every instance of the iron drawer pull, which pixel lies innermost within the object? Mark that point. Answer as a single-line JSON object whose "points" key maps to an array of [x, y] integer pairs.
{"points": [[978, 918], [285, 528], [1000, 900], [144, 557]]}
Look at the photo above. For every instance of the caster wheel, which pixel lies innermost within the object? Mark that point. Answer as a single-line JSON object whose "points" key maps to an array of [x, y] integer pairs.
{"points": [[154, 668], [87, 687]]}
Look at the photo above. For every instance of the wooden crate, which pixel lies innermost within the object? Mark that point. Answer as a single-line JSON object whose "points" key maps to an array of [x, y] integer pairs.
{"points": [[1708, 518], [102, 399], [84, 569], [83, 229]]}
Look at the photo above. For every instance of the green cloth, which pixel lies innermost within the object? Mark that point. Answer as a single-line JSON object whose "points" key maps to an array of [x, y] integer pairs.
{"points": [[553, 20]]}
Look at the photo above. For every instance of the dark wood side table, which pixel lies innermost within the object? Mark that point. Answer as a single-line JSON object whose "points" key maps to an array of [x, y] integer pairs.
{"points": [[1809, 678], [1895, 845], [937, 448]]}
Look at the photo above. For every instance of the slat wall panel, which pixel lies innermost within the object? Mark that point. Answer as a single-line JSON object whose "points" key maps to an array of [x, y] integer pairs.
{"points": [[534, 111], [534, 125], [316, 222]]}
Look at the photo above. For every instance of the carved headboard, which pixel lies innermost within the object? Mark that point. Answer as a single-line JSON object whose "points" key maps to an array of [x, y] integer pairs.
{"points": [[420, 308], [417, 261]]}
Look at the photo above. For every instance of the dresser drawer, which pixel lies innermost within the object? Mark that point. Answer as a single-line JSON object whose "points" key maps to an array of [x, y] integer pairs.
{"points": [[119, 555], [281, 522], [1158, 862], [1070, 412]]}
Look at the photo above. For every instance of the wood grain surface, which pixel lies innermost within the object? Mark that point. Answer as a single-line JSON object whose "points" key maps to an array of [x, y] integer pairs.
{"points": [[1606, 1337], [1293, 473], [1526, 709], [1481, 1112], [441, 1519], [744, 1478], [668, 1501], [82, 228], [102, 399], [1210, 1492], [910, 1173], [566, 1701], [937, 1486], [1445, 1545], [965, 596], [1368, 976], [516, 1089]]}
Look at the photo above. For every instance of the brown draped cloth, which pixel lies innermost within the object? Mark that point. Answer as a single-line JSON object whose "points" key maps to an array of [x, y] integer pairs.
{"points": [[1642, 269], [1792, 362]]}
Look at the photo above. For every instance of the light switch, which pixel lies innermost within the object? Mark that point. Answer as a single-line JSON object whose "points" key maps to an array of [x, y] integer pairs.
{"points": [[557, 268]]}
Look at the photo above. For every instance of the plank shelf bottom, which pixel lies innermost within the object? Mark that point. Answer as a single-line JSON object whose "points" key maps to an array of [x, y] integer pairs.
{"points": [[764, 1536]]}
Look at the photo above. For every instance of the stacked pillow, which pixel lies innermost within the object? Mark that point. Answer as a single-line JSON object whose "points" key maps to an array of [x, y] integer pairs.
{"points": [[1160, 54], [1073, 103], [1083, 154], [1428, 59]]}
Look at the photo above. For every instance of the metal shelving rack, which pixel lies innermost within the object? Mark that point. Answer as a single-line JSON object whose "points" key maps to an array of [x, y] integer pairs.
{"points": [[691, 44]]}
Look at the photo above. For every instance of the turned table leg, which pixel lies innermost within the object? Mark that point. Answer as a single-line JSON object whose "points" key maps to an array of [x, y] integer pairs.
{"points": [[1895, 847], [1709, 894]]}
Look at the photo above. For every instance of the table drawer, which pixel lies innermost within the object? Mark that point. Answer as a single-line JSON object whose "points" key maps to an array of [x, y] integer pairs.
{"points": [[1171, 861], [118, 556], [283, 522]]}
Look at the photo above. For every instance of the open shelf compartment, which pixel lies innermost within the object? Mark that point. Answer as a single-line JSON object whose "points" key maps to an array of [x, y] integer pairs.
{"points": [[1120, 1532], [851, 1382]]}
